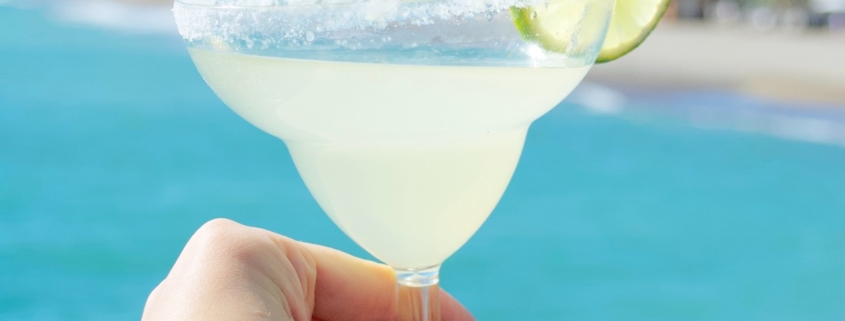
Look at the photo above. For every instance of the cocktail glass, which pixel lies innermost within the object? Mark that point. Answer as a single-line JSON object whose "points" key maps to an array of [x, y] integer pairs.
{"points": [[405, 119]]}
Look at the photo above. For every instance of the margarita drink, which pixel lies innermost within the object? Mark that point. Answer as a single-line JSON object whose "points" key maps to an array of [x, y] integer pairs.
{"points": [[405, 119], [408, 160]]}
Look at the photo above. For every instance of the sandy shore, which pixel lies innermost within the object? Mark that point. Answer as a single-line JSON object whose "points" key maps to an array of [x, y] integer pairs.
{"points": [[793, 66]]}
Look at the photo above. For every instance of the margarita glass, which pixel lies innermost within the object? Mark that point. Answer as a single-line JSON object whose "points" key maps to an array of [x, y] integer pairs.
{"points": [[405, 119]]}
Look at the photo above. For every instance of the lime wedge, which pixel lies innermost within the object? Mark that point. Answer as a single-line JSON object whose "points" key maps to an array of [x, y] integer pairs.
{"points": [[631, 23], [553, 26]]}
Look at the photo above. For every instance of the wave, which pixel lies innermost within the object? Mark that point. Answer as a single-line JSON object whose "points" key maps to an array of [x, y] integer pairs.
{"points": [[720, 110], [126, 17]]}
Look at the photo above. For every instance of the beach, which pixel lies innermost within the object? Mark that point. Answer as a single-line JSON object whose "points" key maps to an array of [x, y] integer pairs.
{"points": [[793, 66]]}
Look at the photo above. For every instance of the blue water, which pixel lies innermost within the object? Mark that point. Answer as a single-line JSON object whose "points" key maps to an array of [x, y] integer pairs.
{"points": [[113, 151]]}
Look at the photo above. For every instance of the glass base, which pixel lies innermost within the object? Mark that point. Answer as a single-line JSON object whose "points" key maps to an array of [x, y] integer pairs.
{"points": [[418, 294]]}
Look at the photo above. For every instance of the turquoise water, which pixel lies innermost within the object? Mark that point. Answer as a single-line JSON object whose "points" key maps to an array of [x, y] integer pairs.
{"points": [[113, 151]]}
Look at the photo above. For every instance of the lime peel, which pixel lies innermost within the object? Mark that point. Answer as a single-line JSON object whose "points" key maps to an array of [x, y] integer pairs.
{"points": [[630, 25], [631, 22]]}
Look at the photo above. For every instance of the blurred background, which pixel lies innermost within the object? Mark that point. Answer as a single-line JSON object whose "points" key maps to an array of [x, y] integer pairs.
{"points": [[701, 177]]}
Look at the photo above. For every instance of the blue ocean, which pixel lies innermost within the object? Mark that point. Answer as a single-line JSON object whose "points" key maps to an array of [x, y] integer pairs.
{"points": [[688, 205]]}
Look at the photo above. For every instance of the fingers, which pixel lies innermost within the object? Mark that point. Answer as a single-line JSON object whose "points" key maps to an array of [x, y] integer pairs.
{"points": [[228, 271], [349, 288], [452, 310]]}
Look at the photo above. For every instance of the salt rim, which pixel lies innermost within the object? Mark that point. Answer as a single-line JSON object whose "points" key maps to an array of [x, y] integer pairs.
{"points": [[268, 23]]}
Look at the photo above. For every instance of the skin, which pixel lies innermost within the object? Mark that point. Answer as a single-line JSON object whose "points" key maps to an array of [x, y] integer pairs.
{"points": [[229, 271]]}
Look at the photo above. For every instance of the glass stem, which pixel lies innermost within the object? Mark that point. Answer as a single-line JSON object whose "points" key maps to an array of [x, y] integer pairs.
{"points": [[418, 294]]}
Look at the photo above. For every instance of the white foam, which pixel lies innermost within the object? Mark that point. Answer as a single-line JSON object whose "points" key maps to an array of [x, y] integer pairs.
{"points": [[806, 129], [598, 99], [114, 15]]}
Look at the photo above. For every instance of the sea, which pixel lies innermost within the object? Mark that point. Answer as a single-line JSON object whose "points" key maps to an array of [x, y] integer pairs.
{"points": [[628, 204]]}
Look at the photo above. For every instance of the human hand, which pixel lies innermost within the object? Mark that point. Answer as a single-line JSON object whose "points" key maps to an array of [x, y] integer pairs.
{"points": [[228, 271]]}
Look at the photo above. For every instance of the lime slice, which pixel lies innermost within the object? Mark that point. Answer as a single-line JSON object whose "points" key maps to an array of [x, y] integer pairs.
{"points": [[632, 21], [572, 27], [551, 25]]}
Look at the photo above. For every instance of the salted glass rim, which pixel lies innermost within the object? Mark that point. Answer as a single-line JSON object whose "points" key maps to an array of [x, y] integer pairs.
{"points": [[267, 4], [393, 28]]}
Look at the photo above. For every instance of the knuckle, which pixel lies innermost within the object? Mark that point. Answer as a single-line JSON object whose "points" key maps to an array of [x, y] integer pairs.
{"points": [[226, 239], [220, 232], [218, 226]]}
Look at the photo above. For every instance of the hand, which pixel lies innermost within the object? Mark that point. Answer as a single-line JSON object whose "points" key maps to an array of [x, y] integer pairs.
{"points": [[228, 271]]}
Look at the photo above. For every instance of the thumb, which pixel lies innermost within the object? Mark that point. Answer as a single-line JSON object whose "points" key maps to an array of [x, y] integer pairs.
{"points": [[349, 288]]}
